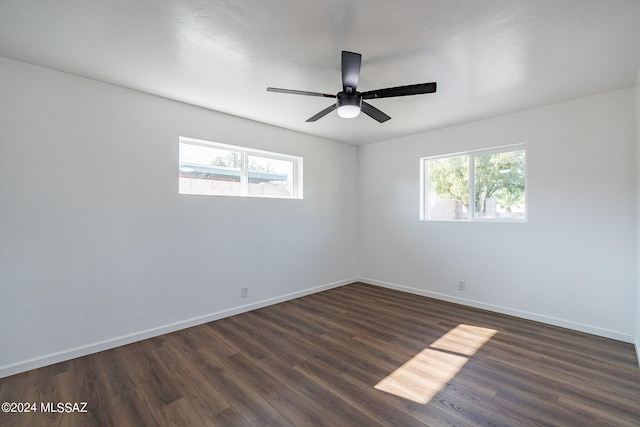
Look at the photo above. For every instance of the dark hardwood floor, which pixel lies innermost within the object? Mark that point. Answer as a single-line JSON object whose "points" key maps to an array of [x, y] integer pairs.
{"points": [[357, 355]]}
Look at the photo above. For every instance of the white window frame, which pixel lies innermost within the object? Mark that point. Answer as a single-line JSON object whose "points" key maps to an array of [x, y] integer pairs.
{"points": [[245, 152], [424, 200]]}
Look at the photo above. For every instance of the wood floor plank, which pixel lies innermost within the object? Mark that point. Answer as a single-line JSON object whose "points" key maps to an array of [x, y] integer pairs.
{"points": [[249, 403], [353, 356], [342, 412], [228, 417], [295, 406], [202, 397]]}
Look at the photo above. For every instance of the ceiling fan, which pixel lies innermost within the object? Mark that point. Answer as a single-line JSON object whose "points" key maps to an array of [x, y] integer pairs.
{"points": [[349, 102]]}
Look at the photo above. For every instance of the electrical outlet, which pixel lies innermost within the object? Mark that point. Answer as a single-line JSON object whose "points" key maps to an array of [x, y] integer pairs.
{"points": [[245, 291], [462, 285]]}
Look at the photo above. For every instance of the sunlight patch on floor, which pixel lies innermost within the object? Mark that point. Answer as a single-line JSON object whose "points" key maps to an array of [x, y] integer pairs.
{"points": [[464, 339], [425, 374]]}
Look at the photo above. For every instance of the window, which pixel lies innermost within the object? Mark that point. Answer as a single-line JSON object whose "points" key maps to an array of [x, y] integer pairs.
{"points": [[480, 185], [208, 168]]}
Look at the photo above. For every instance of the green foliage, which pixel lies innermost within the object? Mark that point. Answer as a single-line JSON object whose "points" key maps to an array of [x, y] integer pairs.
{"points": [[500, 176], [449, 178], [232, 160], [497, 175]]}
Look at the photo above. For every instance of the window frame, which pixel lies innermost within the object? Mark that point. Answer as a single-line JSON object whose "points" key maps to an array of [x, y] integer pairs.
{"points": [[471, 154], [245, 152]]}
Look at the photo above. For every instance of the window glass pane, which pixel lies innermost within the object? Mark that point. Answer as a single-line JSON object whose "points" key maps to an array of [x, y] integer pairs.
{"points": [[500, 185], [209, 170], [212, 168], [448, 188], [270, 177]]}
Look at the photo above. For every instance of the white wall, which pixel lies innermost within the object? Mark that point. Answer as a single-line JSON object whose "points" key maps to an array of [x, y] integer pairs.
{"points": [[89, 261], [637, 111], [573, 264]]}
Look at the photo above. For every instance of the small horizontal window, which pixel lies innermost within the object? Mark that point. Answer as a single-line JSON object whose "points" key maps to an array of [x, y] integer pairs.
{"points": [[481, 185], [214, 169]]}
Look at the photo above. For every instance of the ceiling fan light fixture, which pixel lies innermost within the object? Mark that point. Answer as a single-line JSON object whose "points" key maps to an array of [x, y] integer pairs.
{"points": [[350, 102], [348, 111], [348, 106]]}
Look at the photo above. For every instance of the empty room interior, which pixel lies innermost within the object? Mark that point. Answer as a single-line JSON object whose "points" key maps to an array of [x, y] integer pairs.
{"points": [[355, 213]]}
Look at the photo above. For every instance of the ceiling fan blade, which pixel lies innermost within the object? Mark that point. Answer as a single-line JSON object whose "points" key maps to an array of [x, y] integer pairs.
{"points": [[374, 113], [390, 92], [299, 92], [322, 113], [350, 70]]}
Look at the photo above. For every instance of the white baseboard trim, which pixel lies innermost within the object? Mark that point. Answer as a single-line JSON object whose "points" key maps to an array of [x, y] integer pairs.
{"points": [[72, 353], [637, 342], [594, 330]]}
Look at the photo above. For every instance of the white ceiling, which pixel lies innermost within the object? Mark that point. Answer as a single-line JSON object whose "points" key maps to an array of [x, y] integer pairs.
{"points": [[488, 57]]}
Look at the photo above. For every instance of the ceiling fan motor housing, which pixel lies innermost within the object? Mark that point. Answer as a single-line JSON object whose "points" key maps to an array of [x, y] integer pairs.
{"points": [[349, 104]]}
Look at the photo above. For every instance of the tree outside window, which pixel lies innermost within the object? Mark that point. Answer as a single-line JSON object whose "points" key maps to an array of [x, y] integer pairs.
{"points": [[480, 185]]}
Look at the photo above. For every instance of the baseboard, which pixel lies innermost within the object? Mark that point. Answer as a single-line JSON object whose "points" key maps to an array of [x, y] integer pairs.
{"points": [[594, 330], [637, 342], [72, 353]]}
